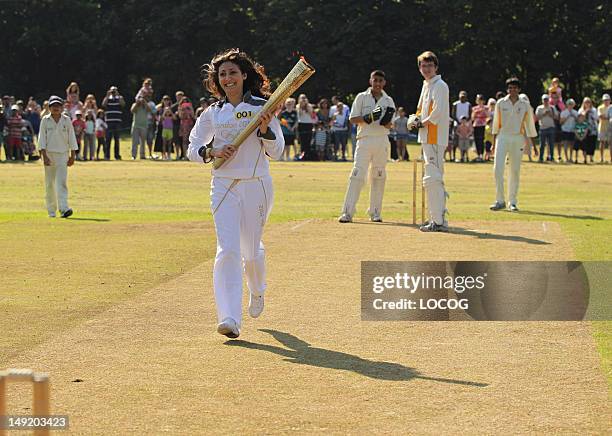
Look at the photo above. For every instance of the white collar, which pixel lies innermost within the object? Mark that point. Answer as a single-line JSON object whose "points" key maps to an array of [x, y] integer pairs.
{"points": [[369, 91], [433, 80]]}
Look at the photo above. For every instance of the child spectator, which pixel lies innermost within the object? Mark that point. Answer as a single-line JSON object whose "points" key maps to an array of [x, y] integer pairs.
{"points": [[90, 136], [464, 133], [90, 105], [14, 124], [166, 102], [167, 123], [451, 141], [146, 90], [73, 104], [79, 129], [289, 121], [400, 125], [101, 136], [187, 117], [321, 140], [488, 139], [555, 91], [581, 131], [568, 120], [590, 117], [27, 140]]}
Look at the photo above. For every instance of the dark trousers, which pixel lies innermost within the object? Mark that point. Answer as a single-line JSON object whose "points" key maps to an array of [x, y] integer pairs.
{"points": [[340, 139], [547, 135], [112, 132], [479, 139], [305, 138]]}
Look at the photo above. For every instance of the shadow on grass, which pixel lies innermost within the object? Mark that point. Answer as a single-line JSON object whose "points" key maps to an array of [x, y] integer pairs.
{"points": [[385, 223], [461, 231], [99, 220], [301, 352], [487, 235], [560, 215]]}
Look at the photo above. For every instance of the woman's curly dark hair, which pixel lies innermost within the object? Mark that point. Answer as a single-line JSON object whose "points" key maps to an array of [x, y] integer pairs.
{"points": [[256, 80]]}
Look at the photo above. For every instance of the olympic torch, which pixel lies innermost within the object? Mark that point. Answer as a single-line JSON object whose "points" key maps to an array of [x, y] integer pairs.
{"points": [[296, 77]]}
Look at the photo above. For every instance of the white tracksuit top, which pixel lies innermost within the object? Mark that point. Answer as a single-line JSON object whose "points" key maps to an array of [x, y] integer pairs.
{"points": [[433, 107], [221, 123]]}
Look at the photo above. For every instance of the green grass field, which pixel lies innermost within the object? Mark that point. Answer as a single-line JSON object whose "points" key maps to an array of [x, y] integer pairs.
{"points": [[137, 224]]}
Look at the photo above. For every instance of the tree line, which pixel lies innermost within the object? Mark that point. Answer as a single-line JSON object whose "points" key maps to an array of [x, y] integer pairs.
{"points": [[49, 43]]}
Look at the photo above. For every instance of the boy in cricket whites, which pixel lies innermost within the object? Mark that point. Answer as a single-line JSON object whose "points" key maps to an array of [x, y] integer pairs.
{"points": [[432, 120], [58, 146]]}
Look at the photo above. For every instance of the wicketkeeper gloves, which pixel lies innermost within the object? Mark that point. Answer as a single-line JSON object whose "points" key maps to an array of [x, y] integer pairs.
{"points": [[414, 121], [386, 118], [375, 115]]}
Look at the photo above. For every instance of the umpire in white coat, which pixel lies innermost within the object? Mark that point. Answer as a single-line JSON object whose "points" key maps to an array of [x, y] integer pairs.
{"points": [[372, 112], [58, 145]]}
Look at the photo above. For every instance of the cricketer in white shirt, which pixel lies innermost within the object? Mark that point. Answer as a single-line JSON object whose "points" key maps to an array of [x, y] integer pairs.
{"points": [[433, 110], [372, 151], [512, 123]]}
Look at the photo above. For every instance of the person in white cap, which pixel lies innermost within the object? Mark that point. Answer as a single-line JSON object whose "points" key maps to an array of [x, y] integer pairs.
{"points": [[432, 119], [604, 132], [58, 145], [372, 112], [512, 121]]}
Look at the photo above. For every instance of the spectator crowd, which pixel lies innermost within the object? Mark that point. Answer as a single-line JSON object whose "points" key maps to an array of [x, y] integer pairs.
{"points": [[319, 131]]}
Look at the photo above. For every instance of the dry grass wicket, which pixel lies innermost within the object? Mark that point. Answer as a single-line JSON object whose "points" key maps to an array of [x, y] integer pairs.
{"points": [[415, 166], [40, 393]]}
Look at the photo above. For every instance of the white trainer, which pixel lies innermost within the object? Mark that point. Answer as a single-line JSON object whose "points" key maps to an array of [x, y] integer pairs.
{"points": [[229, 328], [345, 218], [256, 305]]}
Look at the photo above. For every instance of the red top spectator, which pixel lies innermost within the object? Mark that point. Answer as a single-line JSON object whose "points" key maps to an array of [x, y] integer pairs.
{"points": [[15, 123]]}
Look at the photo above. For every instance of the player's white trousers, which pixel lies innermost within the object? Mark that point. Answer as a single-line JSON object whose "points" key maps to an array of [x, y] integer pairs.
{"points": [[370, 150], [241, 213], [433, 182], [511, 146], [56, 182]]}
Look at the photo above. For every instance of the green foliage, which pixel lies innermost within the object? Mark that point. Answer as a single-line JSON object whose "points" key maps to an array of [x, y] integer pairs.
{"points": [[99, 43]]}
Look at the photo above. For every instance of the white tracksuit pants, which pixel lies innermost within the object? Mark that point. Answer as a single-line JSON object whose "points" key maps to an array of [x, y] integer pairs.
{"points": [[372, 150], [511, 146], [56, 182], [239, 222], [433, 182]]}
